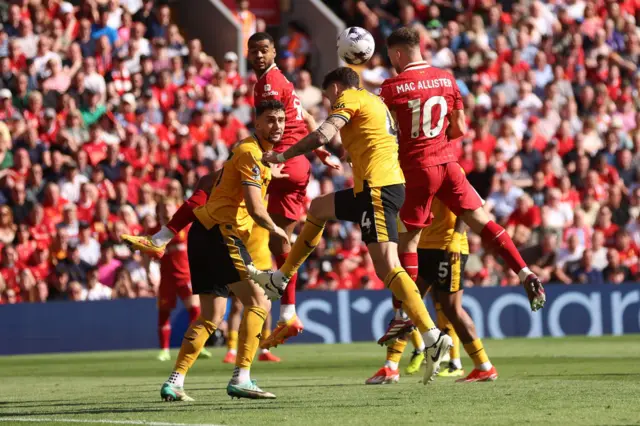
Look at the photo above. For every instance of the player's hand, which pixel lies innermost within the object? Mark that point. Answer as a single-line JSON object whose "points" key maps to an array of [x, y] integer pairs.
{"points": [[270, 157], [280, 233], [454, 247], [276, 171], [327, 159]]}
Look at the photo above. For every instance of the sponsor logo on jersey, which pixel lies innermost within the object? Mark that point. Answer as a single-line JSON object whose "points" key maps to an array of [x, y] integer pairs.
{"points": [[268, 92]]}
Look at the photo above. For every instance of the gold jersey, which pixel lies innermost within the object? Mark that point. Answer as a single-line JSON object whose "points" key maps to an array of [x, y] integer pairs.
{"points": [[369, 137], [438, 234], [226, 203]]}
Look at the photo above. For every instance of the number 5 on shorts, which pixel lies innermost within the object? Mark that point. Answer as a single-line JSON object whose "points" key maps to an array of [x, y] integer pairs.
{"points": [[443, 270]]}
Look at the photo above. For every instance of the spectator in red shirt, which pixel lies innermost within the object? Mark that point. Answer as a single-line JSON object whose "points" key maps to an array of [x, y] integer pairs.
{"points": [[231, 129], [53, 203], [627, 250], [40, 227], [580, 229], [95, 147], [164, 91], [606, 226], [526, 214], [87, 201], [484, 140], [24, 245], [130, 181], [607, 173], [39, 264]]}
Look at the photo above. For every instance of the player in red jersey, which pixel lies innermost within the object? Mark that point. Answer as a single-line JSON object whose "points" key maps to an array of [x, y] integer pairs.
{"points": [[286, 196], [428, 107], [175, 281]]}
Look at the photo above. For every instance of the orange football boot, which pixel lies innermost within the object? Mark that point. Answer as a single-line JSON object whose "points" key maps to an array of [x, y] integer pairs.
{"points": [[229, 358], [480, 376], [268, 356], [282, 332]]}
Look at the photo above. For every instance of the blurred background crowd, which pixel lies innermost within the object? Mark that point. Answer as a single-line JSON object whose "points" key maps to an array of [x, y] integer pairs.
{"points": [[107, 113]]}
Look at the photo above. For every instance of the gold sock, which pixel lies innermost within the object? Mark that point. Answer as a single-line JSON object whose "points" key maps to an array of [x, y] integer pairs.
{"points": [[405, 290], [253, 318], [454, 352], [416, 339], [232, 340], [476, 352], [305, 244], [266, 331], [194, 339], [445, 325], [394, 351]]}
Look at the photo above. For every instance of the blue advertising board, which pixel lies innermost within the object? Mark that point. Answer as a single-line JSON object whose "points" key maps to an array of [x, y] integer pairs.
{"points": [[329, 317]]}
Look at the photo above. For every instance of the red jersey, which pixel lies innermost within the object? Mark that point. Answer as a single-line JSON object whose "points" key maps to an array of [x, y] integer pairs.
{"points": [[274, 85], [422, 97]]}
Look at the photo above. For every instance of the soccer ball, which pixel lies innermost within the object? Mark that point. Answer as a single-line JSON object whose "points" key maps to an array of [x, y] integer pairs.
{"points": [[355, 45]]}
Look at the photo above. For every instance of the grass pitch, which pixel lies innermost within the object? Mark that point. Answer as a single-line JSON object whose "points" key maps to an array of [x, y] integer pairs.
{"points": [[585, 381]]}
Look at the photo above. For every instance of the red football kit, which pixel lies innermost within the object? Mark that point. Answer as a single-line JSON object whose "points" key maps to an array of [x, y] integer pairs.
{"points": [[286, 196], [422, 97], [175, 277]]}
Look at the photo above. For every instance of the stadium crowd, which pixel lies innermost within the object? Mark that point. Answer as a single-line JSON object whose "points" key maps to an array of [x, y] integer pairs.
{"points": [[106, 111]]}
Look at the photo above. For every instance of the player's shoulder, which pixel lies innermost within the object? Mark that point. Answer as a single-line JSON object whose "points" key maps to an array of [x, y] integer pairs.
{"points": [[248, 145], [274, 77]]}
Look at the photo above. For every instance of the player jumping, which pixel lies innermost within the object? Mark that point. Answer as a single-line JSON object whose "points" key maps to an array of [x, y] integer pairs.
{"points": [[369, 137], [428, 107], [218, 258]]}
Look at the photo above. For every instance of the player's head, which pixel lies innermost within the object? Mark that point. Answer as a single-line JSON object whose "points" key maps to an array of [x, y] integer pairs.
{"points": [[403, 47], [270, 120], [261, 52], [339, 80]]}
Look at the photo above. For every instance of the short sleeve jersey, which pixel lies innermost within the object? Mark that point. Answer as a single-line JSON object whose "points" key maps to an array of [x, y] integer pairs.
{"points": [[226, 203], [369, 136]]}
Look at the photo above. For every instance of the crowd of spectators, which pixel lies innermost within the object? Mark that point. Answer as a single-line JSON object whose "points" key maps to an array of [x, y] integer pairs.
{"points": [[106, 111]]}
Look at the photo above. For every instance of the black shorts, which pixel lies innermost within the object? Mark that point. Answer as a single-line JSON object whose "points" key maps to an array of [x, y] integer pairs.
{"points": [[436, 270], [217, 258], [374, 209]]}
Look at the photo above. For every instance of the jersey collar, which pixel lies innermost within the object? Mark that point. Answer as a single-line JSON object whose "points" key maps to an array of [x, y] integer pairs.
{"points": [[268, 145], [273, 66], [416, 66]]}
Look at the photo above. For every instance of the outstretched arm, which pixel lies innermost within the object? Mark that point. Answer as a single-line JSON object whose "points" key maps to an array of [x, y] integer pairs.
{"points": [[322, 135]]}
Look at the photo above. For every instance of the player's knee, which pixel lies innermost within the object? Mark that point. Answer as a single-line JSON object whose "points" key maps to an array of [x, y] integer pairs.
{"points": [[322, 207]]}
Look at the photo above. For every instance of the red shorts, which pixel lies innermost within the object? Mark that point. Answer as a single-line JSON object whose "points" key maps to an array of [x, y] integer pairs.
{"points": [[445, 181], [287, 195], [170, 290]]}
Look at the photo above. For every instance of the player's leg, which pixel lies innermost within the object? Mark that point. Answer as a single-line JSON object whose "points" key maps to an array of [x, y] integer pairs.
{"points": [[321, 210], [233, 325], [256, 309], [266, 354], [389, 372], [192, 305], [454, 368], [460, 197], [166, 303], [212, 311]]}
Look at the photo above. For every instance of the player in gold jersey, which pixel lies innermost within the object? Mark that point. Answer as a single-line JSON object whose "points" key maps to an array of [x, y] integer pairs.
{"points": [[369, 137], [218, 258], [443, 251]]}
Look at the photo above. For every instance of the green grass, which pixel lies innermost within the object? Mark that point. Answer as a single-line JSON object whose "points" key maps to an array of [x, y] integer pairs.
{"points": [[581, 381]]}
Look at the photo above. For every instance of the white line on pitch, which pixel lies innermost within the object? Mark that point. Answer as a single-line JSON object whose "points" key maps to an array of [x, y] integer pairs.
{"points": [[109, 422]]}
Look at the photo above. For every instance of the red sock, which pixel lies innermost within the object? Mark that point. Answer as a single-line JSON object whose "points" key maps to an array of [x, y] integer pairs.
{"points": [[497, 238], [409, 262], [289, 296], [397, 304], [194, 312], [164, 329], [184, 215]]}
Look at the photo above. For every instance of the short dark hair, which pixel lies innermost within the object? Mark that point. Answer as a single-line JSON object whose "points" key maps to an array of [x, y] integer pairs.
{"points": [[343, 75], [260, 37], [270, 105], [404, 36]]}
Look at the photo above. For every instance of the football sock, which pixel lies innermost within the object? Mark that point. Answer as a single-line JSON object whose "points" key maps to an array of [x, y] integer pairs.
{"points": [[194, 313], [194, 339], [305, 244], [405, 289], [445, 325], [232, 341], [176, 379], [409, 262], [394, 353], [253, 318], [240, 375], [162, 237], [502, 244], [184, 215], [416, 340], [164, 328], [397, 305], [476, 352], [289, 296], [266, 332]]}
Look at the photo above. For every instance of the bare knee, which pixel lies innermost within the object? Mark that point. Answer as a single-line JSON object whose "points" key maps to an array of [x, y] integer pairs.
{"points": [[476, 219], [323, 207]]}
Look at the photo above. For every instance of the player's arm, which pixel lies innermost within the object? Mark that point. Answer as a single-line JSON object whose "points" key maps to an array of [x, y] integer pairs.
{"points": [[255, 206], [319, 137], [454, 248], [457, 124], [322, 153], [207, 181]]}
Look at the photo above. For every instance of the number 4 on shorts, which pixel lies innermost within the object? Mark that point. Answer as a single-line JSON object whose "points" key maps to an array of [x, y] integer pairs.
{"points": [[365, 222]]}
